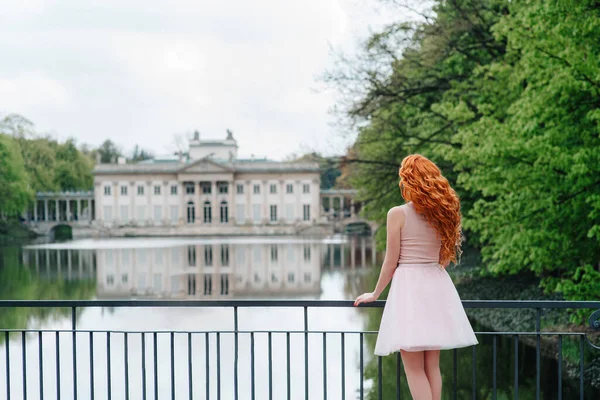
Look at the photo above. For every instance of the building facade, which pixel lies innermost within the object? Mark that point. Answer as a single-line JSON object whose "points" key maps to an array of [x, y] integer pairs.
{"points": [[207, 191]]}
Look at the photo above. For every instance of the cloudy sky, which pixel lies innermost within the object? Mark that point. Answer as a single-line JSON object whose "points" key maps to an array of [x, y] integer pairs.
{"points": [[142, 71]]}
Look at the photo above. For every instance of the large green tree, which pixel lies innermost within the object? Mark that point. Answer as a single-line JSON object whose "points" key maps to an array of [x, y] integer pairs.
{"points": [[504, 96]]}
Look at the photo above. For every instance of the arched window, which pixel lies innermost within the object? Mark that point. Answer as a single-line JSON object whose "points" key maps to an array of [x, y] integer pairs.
{"points": [[224, 212], [191, 212], [207, 212]]}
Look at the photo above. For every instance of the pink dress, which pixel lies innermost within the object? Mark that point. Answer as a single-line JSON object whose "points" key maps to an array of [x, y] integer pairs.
{"points": [[423, 310]]}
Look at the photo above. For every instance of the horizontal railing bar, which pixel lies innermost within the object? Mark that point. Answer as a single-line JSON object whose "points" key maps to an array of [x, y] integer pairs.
{"points": [[533, 304], [523, 333]]}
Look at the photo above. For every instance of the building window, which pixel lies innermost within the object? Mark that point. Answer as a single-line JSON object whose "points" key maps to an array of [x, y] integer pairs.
{"points": [[291, 277], [141, 281], [141, 213], [208, 256], [306, 253], [157, 213], [223, 187], [289, 188], [174, 189], [256, 212], [108, 213], [124, 278], [124, 213], [191, 285], [191, 212], [289, 212], [206, 187], [273, 188], [274, 253], [240, 189], [207, 212], [123, 190], [207, 285], [306, 188], [256, 277], [140, 190], [107, 190], [174, 214], [239, 212], [274, 277], [192, 256], [110, 280], [306, 212], [257, 254], [273, 213], [224, 285], [224, 212], [307, 277], [225, 255], [256, 189], [190, 188], [174, 284], [156, 189]]}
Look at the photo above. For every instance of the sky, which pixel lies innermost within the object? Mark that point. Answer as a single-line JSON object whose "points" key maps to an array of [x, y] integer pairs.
{"points": [[145, 71]]}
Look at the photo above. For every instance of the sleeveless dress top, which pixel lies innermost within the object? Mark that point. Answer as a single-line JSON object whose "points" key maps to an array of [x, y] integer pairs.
{"points": [[423, 310]]}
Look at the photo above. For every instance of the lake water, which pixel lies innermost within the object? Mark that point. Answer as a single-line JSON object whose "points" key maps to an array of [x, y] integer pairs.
{"points": [[208, 268]]}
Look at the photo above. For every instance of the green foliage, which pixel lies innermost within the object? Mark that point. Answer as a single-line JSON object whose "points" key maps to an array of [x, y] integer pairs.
{"points": [[14, 183], [329, 168], [504, 97]]}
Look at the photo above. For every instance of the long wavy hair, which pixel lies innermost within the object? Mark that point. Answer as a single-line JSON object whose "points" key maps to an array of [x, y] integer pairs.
{"points": [[422, 182]]}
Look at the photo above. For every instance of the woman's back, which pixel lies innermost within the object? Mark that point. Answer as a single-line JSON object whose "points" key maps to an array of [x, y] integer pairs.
{"points": [[419, 241]]}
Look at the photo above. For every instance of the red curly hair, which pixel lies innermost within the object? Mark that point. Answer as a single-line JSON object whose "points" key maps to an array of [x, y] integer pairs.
{"points": [[422, 182]]}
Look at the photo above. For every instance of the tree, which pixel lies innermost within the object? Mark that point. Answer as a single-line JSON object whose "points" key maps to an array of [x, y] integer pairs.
{"points": [[141, 154], [109, 152], [15, 192]]}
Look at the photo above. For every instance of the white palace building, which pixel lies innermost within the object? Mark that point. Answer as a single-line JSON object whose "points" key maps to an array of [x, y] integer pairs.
{"points": [[208, 191], [211, 190]]}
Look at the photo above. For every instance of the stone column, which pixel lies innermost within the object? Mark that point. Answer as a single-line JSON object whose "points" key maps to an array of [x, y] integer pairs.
{"points": [[351, 208], [231, 202], [57, 212], [149, 212], [198, 205], [342, 258], [265, 206], [67, 209], [35, 207], [214, 206], [132, 194], [281, 211], [248, 196], [46, 211], [299, 206], [341, 208], [165, 206]]}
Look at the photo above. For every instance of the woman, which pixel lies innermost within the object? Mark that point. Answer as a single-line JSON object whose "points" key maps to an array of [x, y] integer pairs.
{"points": [[423, 313]]}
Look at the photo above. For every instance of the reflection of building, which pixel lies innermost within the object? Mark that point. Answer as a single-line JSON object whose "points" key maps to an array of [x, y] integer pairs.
{"points": [[214, 269], [210, 270], [208, 191]]}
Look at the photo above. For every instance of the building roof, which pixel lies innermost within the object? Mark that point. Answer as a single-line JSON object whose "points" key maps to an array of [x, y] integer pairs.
{"points": [[176, 166]]}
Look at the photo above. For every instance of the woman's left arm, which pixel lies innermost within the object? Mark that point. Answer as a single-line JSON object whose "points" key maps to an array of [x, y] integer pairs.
{"points": [[394, 225]]}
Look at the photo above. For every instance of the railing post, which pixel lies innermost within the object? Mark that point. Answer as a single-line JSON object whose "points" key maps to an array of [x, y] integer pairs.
{"points": [[236, 355], [74, 329]]}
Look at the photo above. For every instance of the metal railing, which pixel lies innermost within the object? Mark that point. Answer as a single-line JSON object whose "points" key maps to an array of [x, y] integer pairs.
{"points": [[200, 354]]}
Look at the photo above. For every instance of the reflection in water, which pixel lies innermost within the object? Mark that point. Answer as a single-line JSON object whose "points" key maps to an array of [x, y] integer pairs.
{"points": [[206, 269]]}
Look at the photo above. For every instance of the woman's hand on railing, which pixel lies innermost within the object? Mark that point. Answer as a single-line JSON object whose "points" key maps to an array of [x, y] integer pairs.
{"points": [[365, 298]]}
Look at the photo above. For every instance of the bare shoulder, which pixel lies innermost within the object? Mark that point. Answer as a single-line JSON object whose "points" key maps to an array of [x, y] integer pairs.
{"points": [[396, 215]]}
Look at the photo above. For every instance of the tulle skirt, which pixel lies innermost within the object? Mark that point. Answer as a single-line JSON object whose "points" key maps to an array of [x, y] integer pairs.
{"points": [[423, 312]]}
